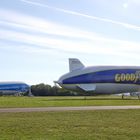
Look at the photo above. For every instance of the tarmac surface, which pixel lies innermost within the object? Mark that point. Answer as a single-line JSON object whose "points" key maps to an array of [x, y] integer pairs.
{"points": [[44, 109]]}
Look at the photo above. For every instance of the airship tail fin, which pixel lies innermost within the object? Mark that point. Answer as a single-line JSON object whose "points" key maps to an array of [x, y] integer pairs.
{"points": [[75, 64]]}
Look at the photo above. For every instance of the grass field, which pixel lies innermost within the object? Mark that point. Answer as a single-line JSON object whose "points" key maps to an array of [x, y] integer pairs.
{"points": [[11, 101], [73, 125], [69, 125]]}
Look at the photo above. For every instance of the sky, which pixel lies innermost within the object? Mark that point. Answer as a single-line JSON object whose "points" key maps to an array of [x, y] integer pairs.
{"points": [[38, 36]]}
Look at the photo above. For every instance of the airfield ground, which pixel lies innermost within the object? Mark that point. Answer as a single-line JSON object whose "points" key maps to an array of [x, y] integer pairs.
{"points": [[10, 102], [73, 125], [69, 125]]}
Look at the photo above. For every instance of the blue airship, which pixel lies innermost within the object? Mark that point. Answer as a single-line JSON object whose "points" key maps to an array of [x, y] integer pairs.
{"points": [[13, 87], [101, 79]]}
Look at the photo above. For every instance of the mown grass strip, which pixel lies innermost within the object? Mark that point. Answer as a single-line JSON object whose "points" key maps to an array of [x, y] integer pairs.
{"points": [[79, 125], [6, 102]]}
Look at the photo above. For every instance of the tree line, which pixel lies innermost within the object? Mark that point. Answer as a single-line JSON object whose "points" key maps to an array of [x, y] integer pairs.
{"points": [[47, 90]]}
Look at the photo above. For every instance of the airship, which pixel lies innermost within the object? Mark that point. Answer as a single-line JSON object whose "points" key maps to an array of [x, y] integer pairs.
{"points": [[8, 88], [101, 79]]}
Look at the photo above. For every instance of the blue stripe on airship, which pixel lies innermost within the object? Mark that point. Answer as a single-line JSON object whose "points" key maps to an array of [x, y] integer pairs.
{"points": [[128, 76]]}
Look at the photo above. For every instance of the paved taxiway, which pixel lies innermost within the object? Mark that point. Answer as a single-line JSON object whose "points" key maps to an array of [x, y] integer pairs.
{"points": [[41, 109]]}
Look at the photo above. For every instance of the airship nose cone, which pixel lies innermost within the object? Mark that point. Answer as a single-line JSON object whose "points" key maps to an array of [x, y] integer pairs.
{"points": [[59, 82]]}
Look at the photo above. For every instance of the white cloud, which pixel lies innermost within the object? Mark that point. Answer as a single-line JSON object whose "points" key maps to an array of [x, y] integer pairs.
{"points": [[88, 42], [30, 23], [14, 19], [89, 47], [126, 25]]}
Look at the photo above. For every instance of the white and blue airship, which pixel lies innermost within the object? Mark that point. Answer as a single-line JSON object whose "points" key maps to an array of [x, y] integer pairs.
{"points": [[101, 79], [7, 88]]}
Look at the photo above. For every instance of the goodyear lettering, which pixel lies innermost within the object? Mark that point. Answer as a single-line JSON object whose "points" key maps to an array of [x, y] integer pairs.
{"points": [[128, 77]]}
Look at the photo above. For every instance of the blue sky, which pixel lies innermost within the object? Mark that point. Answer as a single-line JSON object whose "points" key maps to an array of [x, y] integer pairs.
{"points": [[38, 36]]}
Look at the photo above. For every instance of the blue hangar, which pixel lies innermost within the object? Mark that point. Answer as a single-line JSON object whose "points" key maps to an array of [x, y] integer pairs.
{"points": [[101, 79]]}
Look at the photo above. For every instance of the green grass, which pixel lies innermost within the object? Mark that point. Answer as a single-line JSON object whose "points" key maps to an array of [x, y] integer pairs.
{"points": [[73, 125], [6, 101]]}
